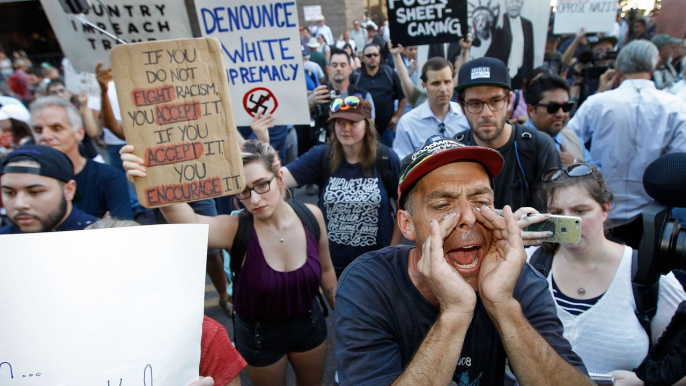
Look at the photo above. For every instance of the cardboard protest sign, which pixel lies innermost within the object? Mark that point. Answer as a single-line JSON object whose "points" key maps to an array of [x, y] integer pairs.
{"points": [[415, 22], [261, 44], [176, 112], [591, 15], [138, 21], [312, 12], [125, 307], [79, 81]]}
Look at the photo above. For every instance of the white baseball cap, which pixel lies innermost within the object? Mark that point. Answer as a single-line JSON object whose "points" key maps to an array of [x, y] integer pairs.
{"points": [[20, 113]]}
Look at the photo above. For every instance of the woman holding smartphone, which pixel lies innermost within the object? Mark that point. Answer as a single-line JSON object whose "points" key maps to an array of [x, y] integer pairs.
{"points": [[591, 281]]}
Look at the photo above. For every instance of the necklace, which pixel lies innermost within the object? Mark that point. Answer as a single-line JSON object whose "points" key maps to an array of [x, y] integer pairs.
{"points": [[280, 237], [582, 291]]}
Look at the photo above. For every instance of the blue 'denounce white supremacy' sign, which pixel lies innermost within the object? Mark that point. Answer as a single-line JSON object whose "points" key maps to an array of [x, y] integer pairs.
{"points": [[262, 53]]}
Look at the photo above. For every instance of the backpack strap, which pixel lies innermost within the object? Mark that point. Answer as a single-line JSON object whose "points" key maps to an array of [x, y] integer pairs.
{"points": [[383, 165], [325, 171], [463, 137], [645, 297], [542, 261], [240, 242], [307, 218], [525, 148], [312, 225]]}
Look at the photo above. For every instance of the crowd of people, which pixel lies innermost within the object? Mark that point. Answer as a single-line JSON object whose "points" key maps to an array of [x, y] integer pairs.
{"points": [[410, 164]]}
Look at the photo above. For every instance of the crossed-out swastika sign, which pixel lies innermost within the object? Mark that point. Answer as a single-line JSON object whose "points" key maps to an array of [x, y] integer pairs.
{"points": [[260, 100]]}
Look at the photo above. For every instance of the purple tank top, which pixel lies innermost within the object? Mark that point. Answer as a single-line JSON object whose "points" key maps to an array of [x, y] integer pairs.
{"points": [[266, 295]]}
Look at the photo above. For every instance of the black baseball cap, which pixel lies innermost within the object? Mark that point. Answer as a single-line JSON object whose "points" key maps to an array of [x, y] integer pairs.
{"points": [[483, 72], [53, 163], [438, 151]]}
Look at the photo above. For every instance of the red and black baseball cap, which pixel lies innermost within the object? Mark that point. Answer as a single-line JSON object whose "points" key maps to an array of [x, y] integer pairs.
{"points": [[438, 151], [53, 163]]}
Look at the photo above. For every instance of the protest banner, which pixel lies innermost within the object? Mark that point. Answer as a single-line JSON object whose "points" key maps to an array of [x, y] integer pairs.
{"points": [[591, 15], [98, 307], [138, 21], [262, 50], [312, 12], [491, 24], [82, 82], [176, 112], [415, 22]]}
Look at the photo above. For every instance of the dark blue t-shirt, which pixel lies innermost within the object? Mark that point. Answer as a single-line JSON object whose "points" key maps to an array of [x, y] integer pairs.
{"points": [[101, 188], [76, 221], [382, 319], [356, 208]]}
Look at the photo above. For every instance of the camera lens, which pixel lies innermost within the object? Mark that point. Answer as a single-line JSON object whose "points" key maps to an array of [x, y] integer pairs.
{"points": [[672, 247]]}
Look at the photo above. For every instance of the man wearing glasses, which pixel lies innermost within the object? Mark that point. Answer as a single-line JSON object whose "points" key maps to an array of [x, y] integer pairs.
{"points": [[384, 85], [548, 108], [484, 91]]}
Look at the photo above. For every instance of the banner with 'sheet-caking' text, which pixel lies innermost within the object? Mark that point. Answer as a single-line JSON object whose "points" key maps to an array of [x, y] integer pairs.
{"points": [[262, 53]]}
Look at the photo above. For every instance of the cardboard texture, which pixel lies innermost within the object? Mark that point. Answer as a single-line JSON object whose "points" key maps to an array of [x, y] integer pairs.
{"points": [[177, 113]]}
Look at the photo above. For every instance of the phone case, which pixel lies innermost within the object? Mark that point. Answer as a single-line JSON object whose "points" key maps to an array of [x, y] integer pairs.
{"points": [[566, 229]]}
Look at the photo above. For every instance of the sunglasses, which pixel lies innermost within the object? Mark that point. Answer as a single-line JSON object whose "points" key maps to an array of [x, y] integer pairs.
{"points": [[576, 170], [374, 55], [350, 102], [554, 107]]}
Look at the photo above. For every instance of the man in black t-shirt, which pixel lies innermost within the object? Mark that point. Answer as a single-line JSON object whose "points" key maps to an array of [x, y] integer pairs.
{"points": [[56, 123], [484, 94], [463, 301]]}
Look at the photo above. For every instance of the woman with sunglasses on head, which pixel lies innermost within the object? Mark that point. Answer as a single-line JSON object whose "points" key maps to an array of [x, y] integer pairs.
{"points": [[591, 281], [356, 176], [277, 320]]}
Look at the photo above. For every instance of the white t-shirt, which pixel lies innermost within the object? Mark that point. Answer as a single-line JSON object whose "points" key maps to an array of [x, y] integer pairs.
{"points": [[608, 336]]}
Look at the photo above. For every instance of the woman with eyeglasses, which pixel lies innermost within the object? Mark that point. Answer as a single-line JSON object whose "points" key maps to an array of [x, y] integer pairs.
{"points": [[356, 176], [591, 281], [284, 267]]}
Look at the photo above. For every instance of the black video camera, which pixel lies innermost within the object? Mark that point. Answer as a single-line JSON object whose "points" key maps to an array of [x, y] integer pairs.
{"points": [[662, 250], [663, 246]]}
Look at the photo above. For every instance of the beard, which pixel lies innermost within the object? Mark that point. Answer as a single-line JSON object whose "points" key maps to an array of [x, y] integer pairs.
{"points": [[490, 136], [50, 221]]}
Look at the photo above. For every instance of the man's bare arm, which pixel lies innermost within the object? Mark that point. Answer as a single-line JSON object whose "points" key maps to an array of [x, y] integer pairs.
{"points": [[435, 361]]}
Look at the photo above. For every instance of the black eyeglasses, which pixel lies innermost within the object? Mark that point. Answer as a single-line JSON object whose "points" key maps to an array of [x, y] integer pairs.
{"points": [[576, 170], [259, 188], [374, 55], [554, 107], [475, 107]]}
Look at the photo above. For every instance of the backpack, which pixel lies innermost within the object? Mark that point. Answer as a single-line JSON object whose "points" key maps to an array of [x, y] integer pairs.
{"points": [[525, 148], [245, 227], [645, 296], [382, 163]]}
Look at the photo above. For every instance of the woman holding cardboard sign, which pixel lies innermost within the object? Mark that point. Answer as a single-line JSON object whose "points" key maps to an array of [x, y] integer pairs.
{"points": [[282, 270]]}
